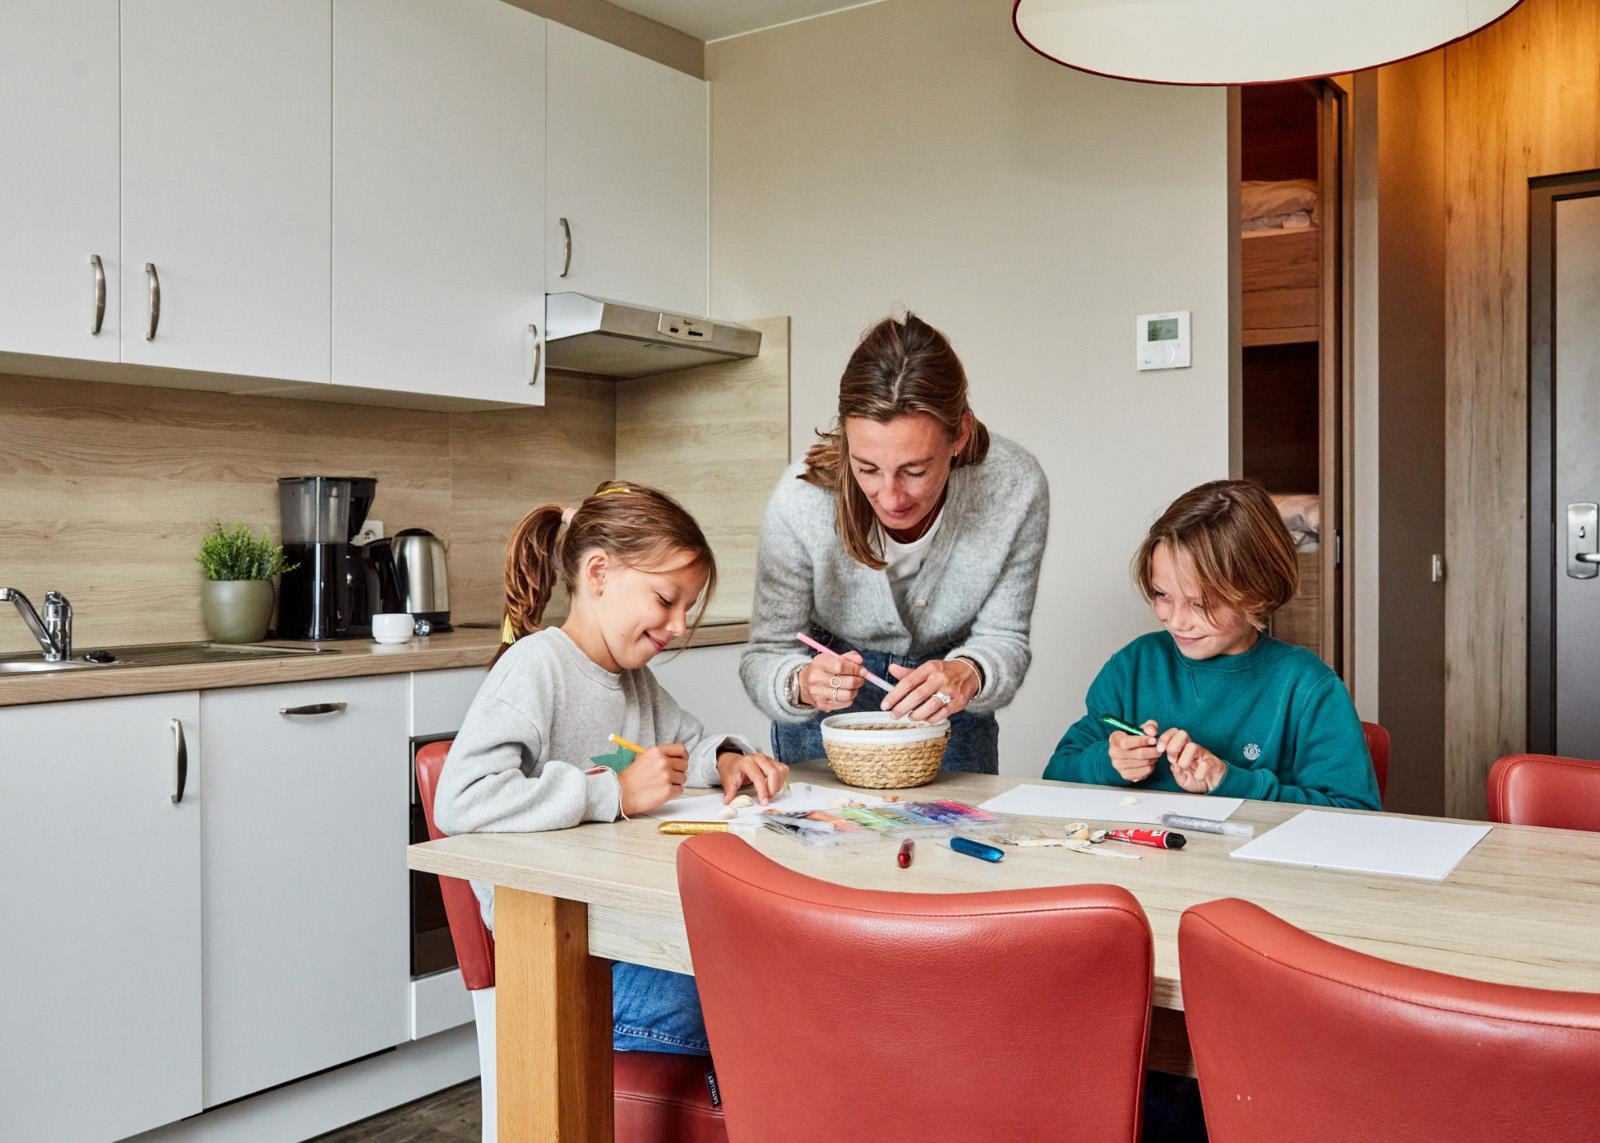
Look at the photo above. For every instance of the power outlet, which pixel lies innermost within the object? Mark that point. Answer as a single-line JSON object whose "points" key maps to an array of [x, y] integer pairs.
{"points": [[371, 530]]}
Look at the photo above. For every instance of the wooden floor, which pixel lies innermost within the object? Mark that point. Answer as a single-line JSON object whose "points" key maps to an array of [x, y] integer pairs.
{"points": [[449, 1116]]}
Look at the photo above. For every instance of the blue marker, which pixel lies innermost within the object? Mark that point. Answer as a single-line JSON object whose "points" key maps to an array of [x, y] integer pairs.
{"points": [[976, 849]]}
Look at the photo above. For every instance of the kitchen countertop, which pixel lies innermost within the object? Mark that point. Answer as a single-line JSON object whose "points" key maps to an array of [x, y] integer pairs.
{"points": [[463, 647]]}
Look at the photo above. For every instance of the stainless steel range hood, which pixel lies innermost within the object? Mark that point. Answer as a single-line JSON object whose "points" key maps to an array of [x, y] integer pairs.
{"points": [[610, 339]]}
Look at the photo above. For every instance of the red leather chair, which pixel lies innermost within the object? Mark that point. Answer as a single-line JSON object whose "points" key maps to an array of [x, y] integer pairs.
{"points": [[1378, 746], [659, 1096], [1545, 790], [1297, 1038], [839, 1013]]}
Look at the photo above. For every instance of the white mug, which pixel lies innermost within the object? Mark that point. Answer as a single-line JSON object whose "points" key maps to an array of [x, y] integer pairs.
{"points": [[391, 627]]}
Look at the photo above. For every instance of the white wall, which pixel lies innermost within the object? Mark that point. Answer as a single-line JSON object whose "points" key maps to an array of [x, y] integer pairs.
{"points": [[915, 153]]}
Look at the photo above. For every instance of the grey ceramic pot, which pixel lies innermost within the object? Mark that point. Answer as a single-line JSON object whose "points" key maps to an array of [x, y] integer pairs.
{"points": [[236, 610]]}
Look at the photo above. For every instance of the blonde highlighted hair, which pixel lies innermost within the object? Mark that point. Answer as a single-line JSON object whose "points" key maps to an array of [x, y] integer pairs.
{"points": [[634, 525], [1236, 543], [902, 366]]}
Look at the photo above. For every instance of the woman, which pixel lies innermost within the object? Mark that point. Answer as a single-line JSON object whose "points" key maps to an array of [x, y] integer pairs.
{"points": [[909, 539]]}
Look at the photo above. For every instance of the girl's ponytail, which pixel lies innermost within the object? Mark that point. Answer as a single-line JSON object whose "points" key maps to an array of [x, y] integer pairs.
{"points": [[532, 566]]}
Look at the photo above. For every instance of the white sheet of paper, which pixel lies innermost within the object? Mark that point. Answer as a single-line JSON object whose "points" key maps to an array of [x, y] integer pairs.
{"points": [[797, 797], [1363, 843], [1105, 803]]}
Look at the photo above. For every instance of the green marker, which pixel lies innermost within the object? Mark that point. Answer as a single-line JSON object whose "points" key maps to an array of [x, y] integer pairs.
{"points": [[1116, 723]]}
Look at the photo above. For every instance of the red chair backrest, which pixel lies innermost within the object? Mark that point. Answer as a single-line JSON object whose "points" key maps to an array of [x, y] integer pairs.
{"points": [[1545, 790], [474, 943], [838, 1013], [1378, 746], [1297, 1038]]}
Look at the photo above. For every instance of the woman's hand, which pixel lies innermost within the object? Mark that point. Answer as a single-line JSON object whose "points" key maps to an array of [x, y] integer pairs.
{"points": [[932, 692], [830, 682], [1133, 756], [1194, 767], [766, 775], [653, 777]]}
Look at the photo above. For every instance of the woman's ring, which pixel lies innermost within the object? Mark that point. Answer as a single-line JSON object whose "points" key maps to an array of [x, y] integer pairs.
{"points": [[942, 697], [836, 682], [833, 695]]}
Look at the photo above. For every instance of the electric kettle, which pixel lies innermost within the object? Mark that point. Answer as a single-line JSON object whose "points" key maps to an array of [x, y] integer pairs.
{"points": [[424, 583]]}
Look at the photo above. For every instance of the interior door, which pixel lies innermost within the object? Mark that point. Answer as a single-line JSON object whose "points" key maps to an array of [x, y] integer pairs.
{"points": [[1564, 450]]}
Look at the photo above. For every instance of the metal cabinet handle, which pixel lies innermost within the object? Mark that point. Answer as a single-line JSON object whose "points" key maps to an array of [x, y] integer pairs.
{"points": [[566, 233], [315, 708], [155, 300], [99, 294], [180, 750], [538, 353], [1588, 557]]}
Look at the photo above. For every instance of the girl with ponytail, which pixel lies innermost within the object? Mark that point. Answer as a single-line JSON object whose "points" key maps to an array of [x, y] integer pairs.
{"points": [[534, 752]]}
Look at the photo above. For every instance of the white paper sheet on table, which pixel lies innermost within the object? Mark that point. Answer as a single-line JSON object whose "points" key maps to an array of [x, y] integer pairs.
{"points": [[1089, 803], [1363, 843], [797, 797]]}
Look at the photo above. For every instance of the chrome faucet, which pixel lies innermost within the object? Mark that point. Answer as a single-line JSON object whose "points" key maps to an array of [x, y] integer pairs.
{"points": [[54, 631]]}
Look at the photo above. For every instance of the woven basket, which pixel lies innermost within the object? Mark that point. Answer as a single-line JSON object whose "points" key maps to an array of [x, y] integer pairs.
{"points": [[877, 752]]}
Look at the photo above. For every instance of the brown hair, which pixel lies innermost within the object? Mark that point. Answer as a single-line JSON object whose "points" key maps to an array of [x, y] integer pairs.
{"points": [[1234, 537], [632, 524], [902, 366]]}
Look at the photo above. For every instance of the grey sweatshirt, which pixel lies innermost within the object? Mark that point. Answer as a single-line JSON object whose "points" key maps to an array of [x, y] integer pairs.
{"points": [[974, 595], [533, 754]]}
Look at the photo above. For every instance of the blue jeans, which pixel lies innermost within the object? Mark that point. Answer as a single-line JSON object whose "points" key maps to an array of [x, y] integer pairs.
{"points": [[656, 1011], [974, 738]]}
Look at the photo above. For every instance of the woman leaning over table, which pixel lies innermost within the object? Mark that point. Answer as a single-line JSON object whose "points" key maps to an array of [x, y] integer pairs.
{"points": [[909, 539]]}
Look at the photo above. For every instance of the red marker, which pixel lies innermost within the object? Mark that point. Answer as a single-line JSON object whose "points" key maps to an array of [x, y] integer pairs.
{"points": [[1159, 838], [903, 858]]}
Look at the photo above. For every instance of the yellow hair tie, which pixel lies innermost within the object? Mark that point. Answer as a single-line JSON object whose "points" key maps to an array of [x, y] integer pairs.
{"points": [[508, 633], [613, 488]]}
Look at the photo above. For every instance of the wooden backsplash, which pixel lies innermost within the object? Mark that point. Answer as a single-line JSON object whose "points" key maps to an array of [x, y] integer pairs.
{"points": [[106, 489]]}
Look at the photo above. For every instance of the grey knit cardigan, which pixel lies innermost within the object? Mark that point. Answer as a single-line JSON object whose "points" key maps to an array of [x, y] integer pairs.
{"points": [[973, 597]]}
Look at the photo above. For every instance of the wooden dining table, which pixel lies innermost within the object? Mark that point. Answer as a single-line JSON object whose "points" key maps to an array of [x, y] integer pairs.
{"points": [[1523, 907]]}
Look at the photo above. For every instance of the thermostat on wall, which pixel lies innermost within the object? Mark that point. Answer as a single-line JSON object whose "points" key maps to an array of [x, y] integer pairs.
{"points": [[1163, 340]]}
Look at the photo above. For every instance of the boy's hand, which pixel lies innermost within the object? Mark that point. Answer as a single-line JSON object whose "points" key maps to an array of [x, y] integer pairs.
{"points": [[1134, 756], [766, 775], [653, 777], [1194, 767]]}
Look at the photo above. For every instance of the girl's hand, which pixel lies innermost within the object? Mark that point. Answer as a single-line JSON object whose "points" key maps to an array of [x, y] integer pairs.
{"points": [[1132, 755], [830, 682], [917, 690], [653, 777], [1194, 767], [766, 775]]}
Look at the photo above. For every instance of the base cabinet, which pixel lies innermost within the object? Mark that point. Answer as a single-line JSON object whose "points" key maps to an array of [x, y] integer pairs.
{"points": [[100, 1013]]}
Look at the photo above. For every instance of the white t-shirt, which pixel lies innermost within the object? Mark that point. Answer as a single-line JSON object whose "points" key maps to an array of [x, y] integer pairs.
{"points": [[904, 561]]}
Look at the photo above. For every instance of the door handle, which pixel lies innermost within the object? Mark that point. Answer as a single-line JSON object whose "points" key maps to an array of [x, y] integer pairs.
{"points": [[1583, 545], [566, 237], [538, 353], [155, 300], [180, 751], [99, 294], [315, 708]]}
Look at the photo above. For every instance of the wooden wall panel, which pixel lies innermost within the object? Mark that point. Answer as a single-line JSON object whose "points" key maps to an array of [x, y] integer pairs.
{"points": [[1522, 99]]}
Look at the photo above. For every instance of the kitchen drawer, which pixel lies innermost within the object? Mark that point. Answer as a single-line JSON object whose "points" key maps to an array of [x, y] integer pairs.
{"points": [[439, 699]]}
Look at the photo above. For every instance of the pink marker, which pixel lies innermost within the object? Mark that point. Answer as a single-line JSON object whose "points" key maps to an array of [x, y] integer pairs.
{"points": [[821, 650]]}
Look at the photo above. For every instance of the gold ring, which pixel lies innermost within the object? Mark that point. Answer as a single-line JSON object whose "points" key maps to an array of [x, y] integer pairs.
{"points": [[836, 682], [833, 695]]}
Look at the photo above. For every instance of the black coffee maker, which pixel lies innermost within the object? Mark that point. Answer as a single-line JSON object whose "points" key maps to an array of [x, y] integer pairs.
{"points": [[339, 585]]}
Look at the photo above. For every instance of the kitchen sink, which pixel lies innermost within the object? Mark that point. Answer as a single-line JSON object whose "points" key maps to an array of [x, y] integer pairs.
{"points": [[154, 655]]}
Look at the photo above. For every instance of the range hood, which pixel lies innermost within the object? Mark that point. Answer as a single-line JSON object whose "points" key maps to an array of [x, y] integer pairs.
{"points": [[609, 339]]}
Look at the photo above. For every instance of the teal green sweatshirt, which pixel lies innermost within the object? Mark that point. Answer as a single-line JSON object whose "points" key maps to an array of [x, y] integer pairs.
{"points": [[1276, 714]]}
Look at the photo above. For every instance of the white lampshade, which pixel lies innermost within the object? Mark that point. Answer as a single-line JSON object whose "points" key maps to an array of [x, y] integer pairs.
{"points": [[1243, 41]]}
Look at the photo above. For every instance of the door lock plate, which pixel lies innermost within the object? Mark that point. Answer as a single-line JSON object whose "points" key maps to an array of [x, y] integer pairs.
{"points": [[1583, 545]]}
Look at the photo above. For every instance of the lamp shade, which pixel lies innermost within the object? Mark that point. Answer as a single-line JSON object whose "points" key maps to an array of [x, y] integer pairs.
{"points": [[1243, 41]]}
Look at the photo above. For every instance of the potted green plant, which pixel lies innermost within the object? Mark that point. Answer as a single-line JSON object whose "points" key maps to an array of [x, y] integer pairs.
{"points": [[236, 598]]}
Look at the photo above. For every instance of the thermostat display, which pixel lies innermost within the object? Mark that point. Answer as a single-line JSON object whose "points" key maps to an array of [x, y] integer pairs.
{"points": [[1162, 340]]}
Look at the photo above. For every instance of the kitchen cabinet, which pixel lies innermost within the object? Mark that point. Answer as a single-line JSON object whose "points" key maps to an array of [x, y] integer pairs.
{"points": [[227, 186], [306, 892], [439, 174], [626, 198], [59, 231], [101, 900]]}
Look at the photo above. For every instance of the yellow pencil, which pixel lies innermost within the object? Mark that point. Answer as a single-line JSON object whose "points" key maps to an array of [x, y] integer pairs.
{"points": [[625, 744]]}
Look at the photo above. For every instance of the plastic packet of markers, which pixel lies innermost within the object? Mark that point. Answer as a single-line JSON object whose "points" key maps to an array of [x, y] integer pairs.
{"points": [[846, 825]]}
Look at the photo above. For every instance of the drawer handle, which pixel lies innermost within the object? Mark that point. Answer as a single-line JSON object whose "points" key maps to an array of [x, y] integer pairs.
{"points": [[315, 708], [180, 750]]}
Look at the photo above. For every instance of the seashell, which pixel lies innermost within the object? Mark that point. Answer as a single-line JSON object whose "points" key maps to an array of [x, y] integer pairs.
{"points": [[742, 801]]}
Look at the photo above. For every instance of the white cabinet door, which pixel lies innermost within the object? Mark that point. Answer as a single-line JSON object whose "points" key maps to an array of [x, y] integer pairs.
{"points": [[307, 904], [227, 185], [628, 148], [439, 154], [58, 177], [100, 1010]]}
